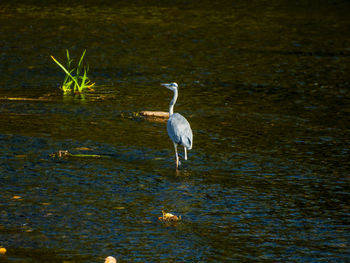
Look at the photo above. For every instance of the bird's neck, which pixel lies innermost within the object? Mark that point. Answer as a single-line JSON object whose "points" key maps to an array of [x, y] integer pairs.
{"points": [[172, 103]]}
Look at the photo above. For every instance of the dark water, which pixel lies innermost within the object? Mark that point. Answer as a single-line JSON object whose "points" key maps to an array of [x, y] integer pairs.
{"points": [[265, 86]]}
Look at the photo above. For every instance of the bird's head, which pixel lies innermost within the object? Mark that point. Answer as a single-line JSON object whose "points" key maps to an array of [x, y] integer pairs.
{"points": [[172, 86]]}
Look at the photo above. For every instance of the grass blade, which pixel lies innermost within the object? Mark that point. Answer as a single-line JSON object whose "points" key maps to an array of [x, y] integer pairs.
{"points": [[80, 62], [65, 70]]}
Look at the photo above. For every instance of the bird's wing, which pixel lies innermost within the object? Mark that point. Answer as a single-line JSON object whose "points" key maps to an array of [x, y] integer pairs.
{"points": [[179, 130]]}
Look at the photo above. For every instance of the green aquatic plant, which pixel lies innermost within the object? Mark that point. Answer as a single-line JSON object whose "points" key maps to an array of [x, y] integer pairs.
{"points": [[76, 84]]}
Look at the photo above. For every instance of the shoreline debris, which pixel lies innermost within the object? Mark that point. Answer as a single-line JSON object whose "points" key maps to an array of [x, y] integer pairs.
{"points": [[2, 251], [110, 259], [154, 114], [66, 154], [168, 217]]}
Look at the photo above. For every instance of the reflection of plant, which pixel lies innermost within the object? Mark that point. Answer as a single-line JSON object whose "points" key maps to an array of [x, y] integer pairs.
{"points": [[79, 83]]}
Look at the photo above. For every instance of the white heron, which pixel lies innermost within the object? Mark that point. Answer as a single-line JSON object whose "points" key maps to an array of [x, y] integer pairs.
{"points": [[179, 129]]}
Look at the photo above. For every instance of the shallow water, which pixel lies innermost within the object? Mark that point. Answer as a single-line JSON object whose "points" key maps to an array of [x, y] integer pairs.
{"points": [[265, 86]]}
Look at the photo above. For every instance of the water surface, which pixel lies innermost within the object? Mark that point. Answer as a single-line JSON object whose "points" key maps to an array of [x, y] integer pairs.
{"points": [[265, 86]]}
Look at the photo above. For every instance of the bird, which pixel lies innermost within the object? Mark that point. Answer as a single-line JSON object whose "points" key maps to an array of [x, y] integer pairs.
{"points": [[179, 129]]}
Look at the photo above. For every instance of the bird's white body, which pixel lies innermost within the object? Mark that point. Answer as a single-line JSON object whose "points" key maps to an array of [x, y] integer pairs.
{"points": [[179, 129]]}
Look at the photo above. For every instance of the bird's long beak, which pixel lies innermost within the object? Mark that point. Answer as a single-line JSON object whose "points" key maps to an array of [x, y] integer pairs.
{"points": [[167, 85]]}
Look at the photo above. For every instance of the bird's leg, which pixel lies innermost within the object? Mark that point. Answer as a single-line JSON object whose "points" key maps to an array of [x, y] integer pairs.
{"points": [[185, 149], [176, 155]]}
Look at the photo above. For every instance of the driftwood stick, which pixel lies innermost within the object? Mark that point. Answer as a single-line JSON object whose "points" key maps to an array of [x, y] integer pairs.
{"points": [[155, 114]]}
